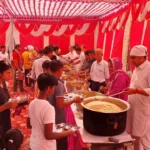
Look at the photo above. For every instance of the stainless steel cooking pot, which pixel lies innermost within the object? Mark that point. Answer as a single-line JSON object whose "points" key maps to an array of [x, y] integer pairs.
{"points": [[105, 124]]}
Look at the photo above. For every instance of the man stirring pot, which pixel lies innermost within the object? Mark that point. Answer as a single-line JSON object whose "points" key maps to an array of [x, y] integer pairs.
{"points": [[138, 117]]}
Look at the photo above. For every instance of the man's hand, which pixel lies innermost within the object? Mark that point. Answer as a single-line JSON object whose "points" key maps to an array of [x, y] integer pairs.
{"points": [[130, 91], [103, 89], [12, 105], [78, 99]]}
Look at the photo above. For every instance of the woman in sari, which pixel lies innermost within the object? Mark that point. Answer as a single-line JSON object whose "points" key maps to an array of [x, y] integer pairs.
{"points": [[118, 79]]}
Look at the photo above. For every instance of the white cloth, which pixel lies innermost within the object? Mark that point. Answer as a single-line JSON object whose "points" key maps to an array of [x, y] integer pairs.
{"points": [[81, 58], [138, 116], [30, 48], [4, 56], [40, 113], [139, 50], [99, 71], [37, 67], [70, 55]]}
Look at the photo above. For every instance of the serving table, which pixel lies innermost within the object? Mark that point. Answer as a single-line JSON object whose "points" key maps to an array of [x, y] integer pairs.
{"points": [[101, 142]]}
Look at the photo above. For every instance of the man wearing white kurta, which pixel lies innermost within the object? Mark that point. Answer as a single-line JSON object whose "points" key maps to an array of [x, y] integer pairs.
{"points": [[138, 118]]}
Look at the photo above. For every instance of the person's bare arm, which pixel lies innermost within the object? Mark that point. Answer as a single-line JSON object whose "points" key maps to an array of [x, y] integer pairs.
{"points": [[131, 91], [9, 105], [76, 62], [61, 103], [88, 78]]}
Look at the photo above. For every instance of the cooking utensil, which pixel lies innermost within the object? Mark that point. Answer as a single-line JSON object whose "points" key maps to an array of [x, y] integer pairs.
{"points": [[116, 94], [105, 124]]}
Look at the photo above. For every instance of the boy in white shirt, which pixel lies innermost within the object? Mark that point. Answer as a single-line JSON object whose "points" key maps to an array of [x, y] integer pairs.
{"points": [[42, 116]]}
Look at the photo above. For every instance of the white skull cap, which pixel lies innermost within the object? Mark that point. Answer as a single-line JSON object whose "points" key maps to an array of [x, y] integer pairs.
{"points": [[139, 50]]}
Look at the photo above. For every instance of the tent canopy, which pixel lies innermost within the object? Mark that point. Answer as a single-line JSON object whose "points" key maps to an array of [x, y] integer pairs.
{"points": [[56, 10]]}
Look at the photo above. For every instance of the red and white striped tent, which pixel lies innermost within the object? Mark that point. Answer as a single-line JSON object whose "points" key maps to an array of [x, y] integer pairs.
{"points": [[114, 25]]}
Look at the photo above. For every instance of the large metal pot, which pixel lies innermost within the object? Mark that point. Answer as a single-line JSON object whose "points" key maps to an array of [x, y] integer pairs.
{"points": [[105, 124]]}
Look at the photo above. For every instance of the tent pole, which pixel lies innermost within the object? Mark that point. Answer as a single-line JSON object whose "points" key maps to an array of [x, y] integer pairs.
{"points": [[9, 39], [126, 43]]}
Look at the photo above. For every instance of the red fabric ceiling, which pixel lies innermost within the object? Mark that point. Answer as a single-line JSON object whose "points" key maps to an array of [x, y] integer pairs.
{"points": [[59, 10]]}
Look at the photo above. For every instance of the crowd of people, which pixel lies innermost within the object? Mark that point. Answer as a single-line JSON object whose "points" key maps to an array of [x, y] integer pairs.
{"points": [[43, 72]]}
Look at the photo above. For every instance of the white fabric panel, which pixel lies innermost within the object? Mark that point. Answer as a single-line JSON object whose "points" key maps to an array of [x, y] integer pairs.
{"points": [[142, 15], [10, 40], [61, 31], [144, 29], [96, 32], [112, 44], [47, 27], [121, 21], [46, 40], [82, 30], [27, 7], [16, 35], [27, 25], [126, 41], [104, 43], [113, 22], [39, 32], [70, 26], [72, 40], [105, 26]]}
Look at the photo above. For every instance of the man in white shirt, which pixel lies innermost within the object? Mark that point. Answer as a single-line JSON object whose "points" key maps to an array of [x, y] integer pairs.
{"points": [[79, 59], [37, 64], [3, 54], [99, 72], [138, 117], [71, 55]]}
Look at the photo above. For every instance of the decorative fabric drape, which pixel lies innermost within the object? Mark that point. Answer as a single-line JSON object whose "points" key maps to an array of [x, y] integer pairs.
{"points": [[118, 43], [23, 29], [100, 41], [136, 33], [3, 26], [147, 38], [71, 29], [86, 39], [62, 41], [31, 40], [136, 11], [108, 45], [50, 30], [2, 39], [56, 29]]}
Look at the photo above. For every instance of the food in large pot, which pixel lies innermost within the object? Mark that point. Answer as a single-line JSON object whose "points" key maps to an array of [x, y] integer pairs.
{"points": [[100, 106], [108, 118], [86, 94]]}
